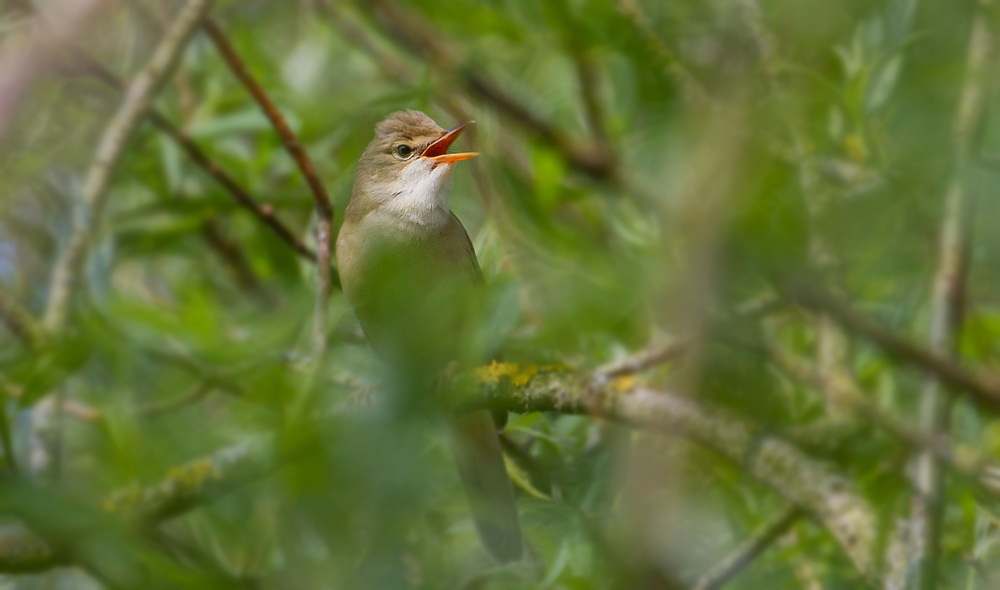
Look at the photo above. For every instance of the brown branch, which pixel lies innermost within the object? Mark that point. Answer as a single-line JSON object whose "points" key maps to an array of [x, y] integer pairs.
{"points": [[232, 256], [324, 210], [115, 138], [984, 388], [721, 573], [262, 212], [947, 308], [19, 320]]}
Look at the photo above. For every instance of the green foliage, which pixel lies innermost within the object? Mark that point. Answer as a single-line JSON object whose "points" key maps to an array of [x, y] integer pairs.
{"points": [[191, 322]]}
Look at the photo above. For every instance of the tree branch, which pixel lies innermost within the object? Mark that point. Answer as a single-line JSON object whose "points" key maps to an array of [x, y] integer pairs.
{"points": [[983, 387], [948, 306], [183, 489], [721, 573], [691, 89], [809, 484], [806, 483], [655, 354], [112, 145], [843, 391], [19, 320], [324, 210]]}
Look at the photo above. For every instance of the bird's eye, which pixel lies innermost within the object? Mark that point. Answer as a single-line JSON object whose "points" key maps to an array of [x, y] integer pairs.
{"points": [[403, 151]]}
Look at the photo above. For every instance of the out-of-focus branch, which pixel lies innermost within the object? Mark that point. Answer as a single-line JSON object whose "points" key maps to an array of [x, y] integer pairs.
{"points": [[196, 393], [183, 489], [656, 354], [721, 573], [232, 255], [23, 63], [691, 89], [262, 212], [19, 320], [811, 485], [947, 306], [984, 388], [843, 391], [587, 73], [109, 151], [324, 210]]}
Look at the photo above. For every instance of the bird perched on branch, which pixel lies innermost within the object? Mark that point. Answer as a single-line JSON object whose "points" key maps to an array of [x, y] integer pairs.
{"points": [[410, 272]]}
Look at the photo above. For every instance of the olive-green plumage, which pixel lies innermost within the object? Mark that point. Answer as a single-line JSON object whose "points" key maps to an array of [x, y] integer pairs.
{"points": [[410, 272]]}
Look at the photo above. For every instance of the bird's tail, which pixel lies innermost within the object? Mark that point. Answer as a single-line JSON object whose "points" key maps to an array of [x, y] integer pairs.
{"points": [[487, 485]]}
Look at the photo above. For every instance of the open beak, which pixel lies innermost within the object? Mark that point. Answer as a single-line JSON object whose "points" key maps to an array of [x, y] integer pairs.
{"points": [[438, 151]]}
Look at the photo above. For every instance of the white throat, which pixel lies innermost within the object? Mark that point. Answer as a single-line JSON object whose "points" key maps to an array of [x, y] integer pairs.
{"points": [[419, 197]]}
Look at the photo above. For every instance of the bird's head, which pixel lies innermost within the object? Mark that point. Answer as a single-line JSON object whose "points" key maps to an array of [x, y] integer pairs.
{"points": [[406, 169]]}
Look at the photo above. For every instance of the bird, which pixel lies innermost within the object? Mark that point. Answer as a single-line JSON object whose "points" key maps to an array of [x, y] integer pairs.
{"points": [[410, 273]]}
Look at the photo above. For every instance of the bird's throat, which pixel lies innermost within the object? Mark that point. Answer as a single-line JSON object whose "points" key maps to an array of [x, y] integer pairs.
{"points": [[418, 198]]}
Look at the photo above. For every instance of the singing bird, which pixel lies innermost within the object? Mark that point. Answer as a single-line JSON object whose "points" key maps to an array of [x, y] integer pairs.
{"points": [[410, 272]]}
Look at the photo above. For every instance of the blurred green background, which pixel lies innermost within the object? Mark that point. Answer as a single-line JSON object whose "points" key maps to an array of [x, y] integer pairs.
{"points": [[648, 170]]}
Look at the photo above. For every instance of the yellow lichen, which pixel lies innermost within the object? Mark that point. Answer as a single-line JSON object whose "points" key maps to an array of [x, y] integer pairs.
{"points": [[624, 383], [192, 475]]}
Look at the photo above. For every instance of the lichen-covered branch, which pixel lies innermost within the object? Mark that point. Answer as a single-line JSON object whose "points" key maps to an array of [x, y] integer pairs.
{"points": [[805, 482], [110, 148], [182, 489]]}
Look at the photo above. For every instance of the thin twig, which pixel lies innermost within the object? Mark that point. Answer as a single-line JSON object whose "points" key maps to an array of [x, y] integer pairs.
{"points": [[721, 573], [984, 389], [588, 75], [232, 255], [947, 307], [324, 210], [196, 393], [843, 391], [656, 354], [109, 151], [19, 320], [691, 89], [262, 212]]}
